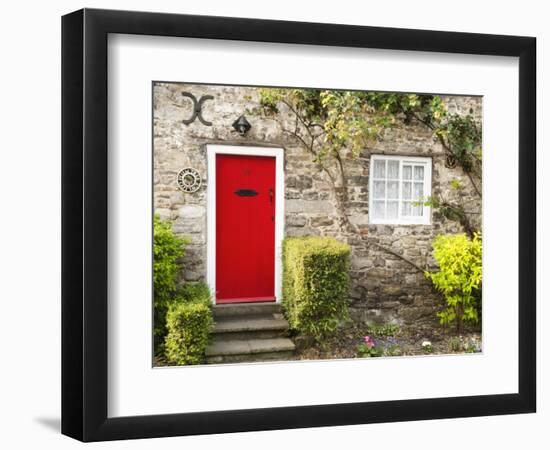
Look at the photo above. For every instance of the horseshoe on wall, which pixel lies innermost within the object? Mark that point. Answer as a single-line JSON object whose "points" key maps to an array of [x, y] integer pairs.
{"points": [[197, 108]]}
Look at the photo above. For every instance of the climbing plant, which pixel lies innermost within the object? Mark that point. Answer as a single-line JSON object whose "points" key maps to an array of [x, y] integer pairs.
{"points": [[459, 135], [455, 208], [335, 125], [331, 121], [327, 123]]}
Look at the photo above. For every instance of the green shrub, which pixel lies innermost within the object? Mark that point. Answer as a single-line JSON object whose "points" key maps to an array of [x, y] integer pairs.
{"points": [[315, 284], [195, 292], [458, 278], [188, 323], [168, 248]]}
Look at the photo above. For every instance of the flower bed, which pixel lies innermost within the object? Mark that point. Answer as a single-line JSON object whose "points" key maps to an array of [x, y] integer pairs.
{"points": [[387, 341]]}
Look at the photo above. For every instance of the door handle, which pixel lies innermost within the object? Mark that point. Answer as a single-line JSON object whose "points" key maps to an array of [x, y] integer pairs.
{"points": [[270, 195]]}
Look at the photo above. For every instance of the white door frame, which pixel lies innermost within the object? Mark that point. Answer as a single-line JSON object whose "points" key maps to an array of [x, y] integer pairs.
{"points": [[278, 153]]}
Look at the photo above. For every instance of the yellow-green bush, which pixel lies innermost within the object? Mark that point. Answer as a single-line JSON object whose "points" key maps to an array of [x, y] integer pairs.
{"points": [[458, 278], [315, 284], [188, 324]]}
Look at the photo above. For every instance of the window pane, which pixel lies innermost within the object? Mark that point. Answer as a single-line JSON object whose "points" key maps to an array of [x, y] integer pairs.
{"points": [[393, 189], [406, 209], [393, 169], [418, 191], [417, 210], [391, 213], [378, 209], [379, 169], [407, 190], [379, 189], [407, 172], [419, 173]]}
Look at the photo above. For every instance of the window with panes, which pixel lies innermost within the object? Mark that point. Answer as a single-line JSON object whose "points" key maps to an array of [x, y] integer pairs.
{"points": [[399, 187]]}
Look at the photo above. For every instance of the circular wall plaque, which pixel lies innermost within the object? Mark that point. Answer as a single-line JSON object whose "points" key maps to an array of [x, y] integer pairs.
{"points": [[189, 180]]}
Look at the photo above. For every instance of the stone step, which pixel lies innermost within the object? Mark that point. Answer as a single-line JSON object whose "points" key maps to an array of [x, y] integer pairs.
{"points": [[252, 350], [249, 327], [244, 309]]}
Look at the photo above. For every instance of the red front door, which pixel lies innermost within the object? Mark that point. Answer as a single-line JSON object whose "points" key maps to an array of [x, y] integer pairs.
{"points": [[245, 228]]}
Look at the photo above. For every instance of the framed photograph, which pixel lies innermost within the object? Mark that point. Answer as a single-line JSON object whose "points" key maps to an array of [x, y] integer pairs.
{"points": [[273, 225]]}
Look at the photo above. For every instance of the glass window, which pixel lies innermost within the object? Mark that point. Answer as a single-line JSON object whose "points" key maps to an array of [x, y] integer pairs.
{"points": [[399, 188]]}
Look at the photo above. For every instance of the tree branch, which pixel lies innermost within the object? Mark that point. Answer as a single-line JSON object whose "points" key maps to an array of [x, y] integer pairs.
{"points": [[478, 191]]}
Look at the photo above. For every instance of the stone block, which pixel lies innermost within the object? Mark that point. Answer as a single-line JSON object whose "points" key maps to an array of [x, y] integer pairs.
{"points": [[163, 213], [189, 226], [379, 262], [301, 182], [192, 211], [309, 207], [295, 220], [321, 221]]}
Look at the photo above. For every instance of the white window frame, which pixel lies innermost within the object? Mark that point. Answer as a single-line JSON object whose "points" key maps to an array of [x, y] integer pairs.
{"points": [[425, 218]]}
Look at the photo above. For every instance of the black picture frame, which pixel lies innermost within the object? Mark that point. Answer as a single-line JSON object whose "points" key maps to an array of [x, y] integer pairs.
{"points": [[84, 224]]}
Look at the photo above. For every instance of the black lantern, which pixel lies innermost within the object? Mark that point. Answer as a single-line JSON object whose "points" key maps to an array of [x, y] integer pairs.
{"points": [[242, 125]]}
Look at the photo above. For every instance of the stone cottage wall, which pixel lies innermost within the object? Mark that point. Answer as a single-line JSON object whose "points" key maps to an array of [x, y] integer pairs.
{"points": [[384, 287]]}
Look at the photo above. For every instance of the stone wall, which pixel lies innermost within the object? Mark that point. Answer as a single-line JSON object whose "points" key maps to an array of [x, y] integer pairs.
{"points": [[384, 287]]}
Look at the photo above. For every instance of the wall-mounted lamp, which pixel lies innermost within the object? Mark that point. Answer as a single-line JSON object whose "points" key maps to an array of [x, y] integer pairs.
{"points": [[242, 125]]}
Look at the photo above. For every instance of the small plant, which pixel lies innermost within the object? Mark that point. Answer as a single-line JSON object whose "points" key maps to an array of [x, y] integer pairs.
{"points": [[454, 344], [384, 330], [427, 347], [473, 345], [369, 349], [315, 285], [391, 348], [460, 344], [458, 278]]}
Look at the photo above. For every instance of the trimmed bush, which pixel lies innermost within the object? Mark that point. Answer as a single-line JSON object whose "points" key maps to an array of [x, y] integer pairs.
{"points": [[315, 284], [168, 249], [188, 324], [458, 278], [196, 293]]}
